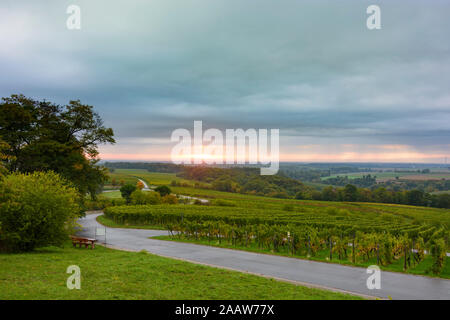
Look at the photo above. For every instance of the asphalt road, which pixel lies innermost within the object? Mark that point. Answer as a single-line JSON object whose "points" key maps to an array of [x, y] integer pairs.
{"points": [[310, 273]]}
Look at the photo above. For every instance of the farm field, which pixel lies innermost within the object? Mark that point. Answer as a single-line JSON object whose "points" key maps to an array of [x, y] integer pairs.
{"points": [[323, 255], [392, 212], [268, 232], [112, 274], [402, 214], [428, 176], [320, 230], [119, 177], [111, 194], [388, 175], [378, 216]]}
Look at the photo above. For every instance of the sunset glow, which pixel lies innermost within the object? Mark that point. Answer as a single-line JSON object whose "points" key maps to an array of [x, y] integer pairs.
{"points": [[354, 156]]}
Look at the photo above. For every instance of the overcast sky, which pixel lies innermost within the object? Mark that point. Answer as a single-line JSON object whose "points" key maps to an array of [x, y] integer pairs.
{"points": [[336, 90]]}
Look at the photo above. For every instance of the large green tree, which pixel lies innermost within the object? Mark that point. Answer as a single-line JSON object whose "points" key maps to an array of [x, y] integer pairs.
{"points": [[127, 190], [43, 136], [350, 193]]}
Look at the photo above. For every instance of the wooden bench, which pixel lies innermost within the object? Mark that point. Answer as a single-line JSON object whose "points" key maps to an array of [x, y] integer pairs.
{"points": [[83, 241]]}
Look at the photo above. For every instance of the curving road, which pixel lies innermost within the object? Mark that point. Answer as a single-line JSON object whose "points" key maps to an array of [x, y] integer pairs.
{"points": [[147, 188], [309, 273]]}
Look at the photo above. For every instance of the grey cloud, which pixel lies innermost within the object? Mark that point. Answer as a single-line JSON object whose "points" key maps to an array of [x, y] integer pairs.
{"points": [[310, 68]]}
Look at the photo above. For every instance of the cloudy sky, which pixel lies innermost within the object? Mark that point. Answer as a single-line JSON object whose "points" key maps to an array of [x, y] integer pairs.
{"points": [[336, 90]]}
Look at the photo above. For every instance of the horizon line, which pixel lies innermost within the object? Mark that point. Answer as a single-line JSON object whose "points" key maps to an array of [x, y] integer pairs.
{"points": [[287, 161]]}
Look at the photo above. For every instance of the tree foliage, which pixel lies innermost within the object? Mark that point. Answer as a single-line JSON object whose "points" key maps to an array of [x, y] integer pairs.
{"points": [[36, 210], [139, 197], [3, 157], [42, 136], [163, 190], [140, 185], [127, 190]]}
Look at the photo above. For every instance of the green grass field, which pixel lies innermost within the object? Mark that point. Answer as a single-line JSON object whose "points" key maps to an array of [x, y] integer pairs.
{"points": [[151, 178], [114, 274], [111, 194], [122, 175]]}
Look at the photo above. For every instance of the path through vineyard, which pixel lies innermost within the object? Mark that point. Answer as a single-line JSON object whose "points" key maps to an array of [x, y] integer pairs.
{"points": [[310, 273]]}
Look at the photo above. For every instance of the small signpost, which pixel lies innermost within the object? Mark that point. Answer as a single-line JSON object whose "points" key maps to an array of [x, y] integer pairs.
{"points": [[100, 232]]}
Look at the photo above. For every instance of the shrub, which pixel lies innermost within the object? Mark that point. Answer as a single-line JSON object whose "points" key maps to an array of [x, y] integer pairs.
{"points": [[332, 211], [153, 198], [169, 199], [36, 210], [344, 213], [163, 190], [145, 197], [140, 185], [137, 197]]}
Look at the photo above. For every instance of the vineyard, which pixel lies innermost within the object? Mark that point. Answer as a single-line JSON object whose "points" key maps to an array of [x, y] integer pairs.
{"points": [[355, 232]]}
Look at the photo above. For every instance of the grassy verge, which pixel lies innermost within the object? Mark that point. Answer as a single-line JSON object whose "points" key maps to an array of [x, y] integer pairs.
{"points": [[323, 256], [114, 274], [112, 194]]}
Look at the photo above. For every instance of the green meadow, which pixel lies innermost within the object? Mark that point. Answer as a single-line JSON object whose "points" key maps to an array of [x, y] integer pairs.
{"points": [[113, 274]]}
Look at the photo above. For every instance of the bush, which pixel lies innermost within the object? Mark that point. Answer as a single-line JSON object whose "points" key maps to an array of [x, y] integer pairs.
{"points": [[145, 197], [332, 211], [140, 185], [153, 198], [137, 197], [163, 190], [169, 199], [36, 210]]}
